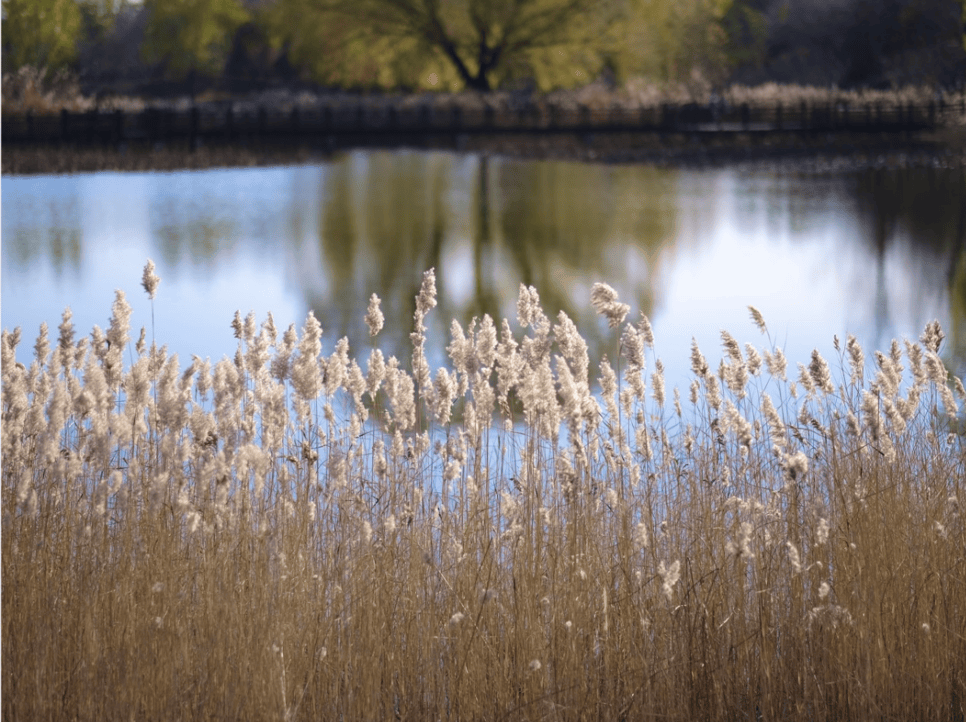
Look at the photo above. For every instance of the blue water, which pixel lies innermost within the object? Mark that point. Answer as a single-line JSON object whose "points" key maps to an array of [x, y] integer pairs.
{"points": [[818, 254]]}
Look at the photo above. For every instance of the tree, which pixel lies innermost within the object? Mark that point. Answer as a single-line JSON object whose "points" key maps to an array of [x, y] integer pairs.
{"points": [[746, 28], [677, 41], [41, 33], [191, 35], [99, 16], [475, 44]]}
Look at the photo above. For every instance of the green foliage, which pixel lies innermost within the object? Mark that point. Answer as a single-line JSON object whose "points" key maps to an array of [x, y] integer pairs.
{"points": [[673, 42], [746, 29], [98, 17], [41, 33], [333, 52], [191, 35], [446, 45]]}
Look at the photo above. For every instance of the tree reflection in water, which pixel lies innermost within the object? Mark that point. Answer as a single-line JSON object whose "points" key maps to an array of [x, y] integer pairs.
{"points": [[372, 222], [486, 225]]}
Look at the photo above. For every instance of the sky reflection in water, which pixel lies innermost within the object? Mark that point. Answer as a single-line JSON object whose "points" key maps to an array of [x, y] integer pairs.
{"points": [[873, 254]]}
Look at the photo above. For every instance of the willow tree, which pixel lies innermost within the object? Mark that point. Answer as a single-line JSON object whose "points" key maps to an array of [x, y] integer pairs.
{"points": [[474, 44], [680, 40], [191, 35], [40, 33]]}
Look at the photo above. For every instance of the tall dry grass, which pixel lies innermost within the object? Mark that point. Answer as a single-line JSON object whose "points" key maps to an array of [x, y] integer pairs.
{"points": [[37, 90], [299, 533]]}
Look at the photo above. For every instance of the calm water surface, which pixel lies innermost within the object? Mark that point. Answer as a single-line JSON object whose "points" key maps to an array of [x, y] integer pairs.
{"points": [[876, 254]]}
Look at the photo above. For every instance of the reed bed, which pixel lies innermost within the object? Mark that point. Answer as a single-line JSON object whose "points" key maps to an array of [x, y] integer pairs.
{"points": [[34, 89], [299, 533]]}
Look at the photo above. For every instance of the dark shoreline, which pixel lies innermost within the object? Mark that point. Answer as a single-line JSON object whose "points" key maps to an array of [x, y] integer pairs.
{"points": [[807, 152]]}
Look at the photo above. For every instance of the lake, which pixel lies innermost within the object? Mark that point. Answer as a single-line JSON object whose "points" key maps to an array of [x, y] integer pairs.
{"points": [[874, 253]]}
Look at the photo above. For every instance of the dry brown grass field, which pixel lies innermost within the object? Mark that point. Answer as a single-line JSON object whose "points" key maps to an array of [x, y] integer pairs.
{"points": [[299, 533]]}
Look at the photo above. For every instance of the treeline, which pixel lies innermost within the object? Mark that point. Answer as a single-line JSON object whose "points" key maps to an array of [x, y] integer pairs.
{"points": [[177, 46]]}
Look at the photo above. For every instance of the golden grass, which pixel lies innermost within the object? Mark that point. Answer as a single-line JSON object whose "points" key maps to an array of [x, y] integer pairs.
{"points": [[290, 535], [34, 89]]}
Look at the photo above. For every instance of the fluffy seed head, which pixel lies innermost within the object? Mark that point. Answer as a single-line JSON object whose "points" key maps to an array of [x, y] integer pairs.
{"points": [[776, 363], [754, 359], [306, 371], [150, 280], [641, 536], [426, 300], [796, 465], [528, 305], [605, 302], [698, 363], [374, 317], [819, 371], [805, 379], [657, 383], [117, 337], [730, 345], [794, 557], [758, 319], [65, 343], [856, 359], [821, 531], [670, 576], [738, 424], [932, 337], [646, 331], [632, 346]]}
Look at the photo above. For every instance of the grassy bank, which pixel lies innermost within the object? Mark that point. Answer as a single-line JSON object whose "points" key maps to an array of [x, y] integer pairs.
{"points": [[53, 161], [308, 533], [852, 151], [947, 146]]}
